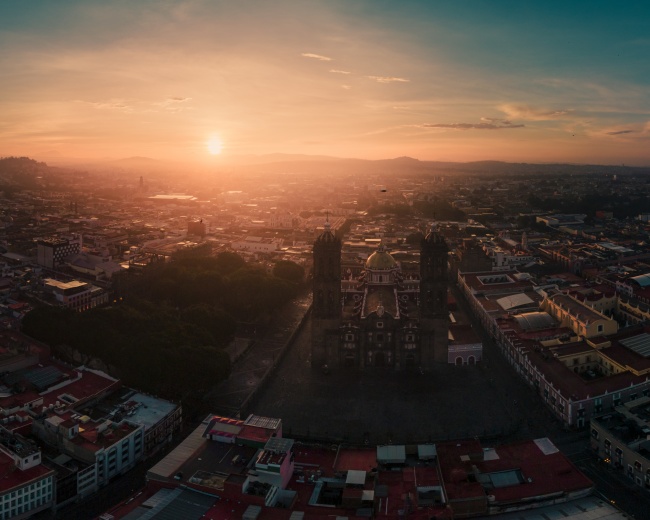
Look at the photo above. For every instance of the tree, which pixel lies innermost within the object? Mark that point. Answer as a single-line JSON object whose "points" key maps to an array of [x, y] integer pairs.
{"points": [[52, 325], [228, 262], [288, 270]]}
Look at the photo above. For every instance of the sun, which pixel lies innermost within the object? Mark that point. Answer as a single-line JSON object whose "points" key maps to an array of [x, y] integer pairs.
{"points": [[215, 145]]}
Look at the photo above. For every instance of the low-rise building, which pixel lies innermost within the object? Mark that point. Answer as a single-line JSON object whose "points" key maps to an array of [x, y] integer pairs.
{"points": [[622, 439], [255, 244], [454, 479], [26, 485], [107, 448], [557, 344], [76, 295], [465, 347]]}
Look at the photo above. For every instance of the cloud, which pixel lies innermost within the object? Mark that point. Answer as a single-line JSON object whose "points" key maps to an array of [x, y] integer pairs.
{"points": [[108, 105], [315, 56], [530, 113], [346, 87], [494, 124], [619, 132], [335, 71], [174, 104], [388, 79]]}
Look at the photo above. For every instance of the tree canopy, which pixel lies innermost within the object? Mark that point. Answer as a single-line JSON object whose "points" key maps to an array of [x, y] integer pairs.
{"points": [[167, 335]]}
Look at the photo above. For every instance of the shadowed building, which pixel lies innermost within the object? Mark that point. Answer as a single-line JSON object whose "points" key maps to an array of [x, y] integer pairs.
{"points": [[381, 318]]}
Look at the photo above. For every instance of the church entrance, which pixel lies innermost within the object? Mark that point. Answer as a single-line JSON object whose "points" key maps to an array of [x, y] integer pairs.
{"points": [[380, 359]]}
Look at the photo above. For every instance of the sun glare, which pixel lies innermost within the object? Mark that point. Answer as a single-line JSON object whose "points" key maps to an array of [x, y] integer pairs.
{"points": [[215, 145]]}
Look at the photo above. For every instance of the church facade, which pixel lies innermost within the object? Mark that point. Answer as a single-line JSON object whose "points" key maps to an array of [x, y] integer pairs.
{"points": [[382, 317]]}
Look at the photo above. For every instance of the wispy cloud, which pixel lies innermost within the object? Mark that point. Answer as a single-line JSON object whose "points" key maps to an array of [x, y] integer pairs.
{"points": [[531, 113], [388, 79], [110, 104], [487, 124], [336, 71], [346, 87], [179, 99], [619, 132], [315, 56]]}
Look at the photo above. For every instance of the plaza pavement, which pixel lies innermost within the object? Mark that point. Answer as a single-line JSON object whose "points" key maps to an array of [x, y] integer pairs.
{"points": [[379, 405]]}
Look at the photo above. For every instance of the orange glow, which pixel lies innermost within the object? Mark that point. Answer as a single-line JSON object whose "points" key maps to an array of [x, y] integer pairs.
{"points": [[215, 145]]}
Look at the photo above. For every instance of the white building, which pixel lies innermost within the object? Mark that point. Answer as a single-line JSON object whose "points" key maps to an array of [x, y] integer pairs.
{"points": [[252, 244], [27, 486]]}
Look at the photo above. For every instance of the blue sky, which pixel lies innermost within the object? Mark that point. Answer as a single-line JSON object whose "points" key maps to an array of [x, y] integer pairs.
{"points": [[517, 81]]}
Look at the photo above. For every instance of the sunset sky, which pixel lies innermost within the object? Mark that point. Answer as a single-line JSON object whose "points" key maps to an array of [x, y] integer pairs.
{"points": [[199, 80]]}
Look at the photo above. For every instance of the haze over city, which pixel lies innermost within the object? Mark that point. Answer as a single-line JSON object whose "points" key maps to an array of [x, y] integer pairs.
{"points": [[205, 81], [303, 260]]}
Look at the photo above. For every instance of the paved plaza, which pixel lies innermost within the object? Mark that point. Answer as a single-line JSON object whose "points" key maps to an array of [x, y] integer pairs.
{"points": [[380, 406]]}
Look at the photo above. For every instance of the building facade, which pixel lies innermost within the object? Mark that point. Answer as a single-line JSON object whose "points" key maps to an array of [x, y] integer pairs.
{"points": [[27, 486], [621, 439], [380, 318], [51, 252]]}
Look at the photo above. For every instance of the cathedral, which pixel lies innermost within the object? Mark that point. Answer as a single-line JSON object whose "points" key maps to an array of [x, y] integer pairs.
{"points": [[382, 317]]}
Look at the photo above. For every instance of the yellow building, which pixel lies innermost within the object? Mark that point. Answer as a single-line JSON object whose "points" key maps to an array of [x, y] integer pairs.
{"points": [[580, 318]]}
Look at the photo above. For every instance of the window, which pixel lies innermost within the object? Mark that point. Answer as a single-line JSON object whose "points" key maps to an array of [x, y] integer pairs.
{"points": [[380, 324], [601, 328], [594, 433]]}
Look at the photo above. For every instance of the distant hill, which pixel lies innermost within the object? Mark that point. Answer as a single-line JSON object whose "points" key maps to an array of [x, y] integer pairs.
{"points": [[21, 172], [279, 163], [411, 166]]}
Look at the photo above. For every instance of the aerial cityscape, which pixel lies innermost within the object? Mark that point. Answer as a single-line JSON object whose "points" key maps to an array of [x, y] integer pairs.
{"points": [[312, 260]]}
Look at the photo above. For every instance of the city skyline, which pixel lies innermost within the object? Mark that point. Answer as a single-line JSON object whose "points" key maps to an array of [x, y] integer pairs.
{"points": [[203, 81]]}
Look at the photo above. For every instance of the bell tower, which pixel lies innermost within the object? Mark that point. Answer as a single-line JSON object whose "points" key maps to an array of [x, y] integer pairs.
{"points": [[326, 306], [434, 320]]}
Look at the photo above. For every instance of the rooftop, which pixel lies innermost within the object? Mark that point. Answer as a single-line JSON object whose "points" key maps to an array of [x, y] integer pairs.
{"points": [[11, 477]]}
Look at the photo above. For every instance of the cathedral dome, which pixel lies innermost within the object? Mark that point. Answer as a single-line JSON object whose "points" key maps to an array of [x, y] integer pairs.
{"points": [[380, 259]]}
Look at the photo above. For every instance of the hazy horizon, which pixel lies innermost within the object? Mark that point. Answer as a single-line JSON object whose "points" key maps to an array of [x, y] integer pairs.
{"points": [[208, 82]]}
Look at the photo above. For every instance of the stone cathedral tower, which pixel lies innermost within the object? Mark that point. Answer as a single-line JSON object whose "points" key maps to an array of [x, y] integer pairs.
{"points": [[434, 314], [326, 308]]}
